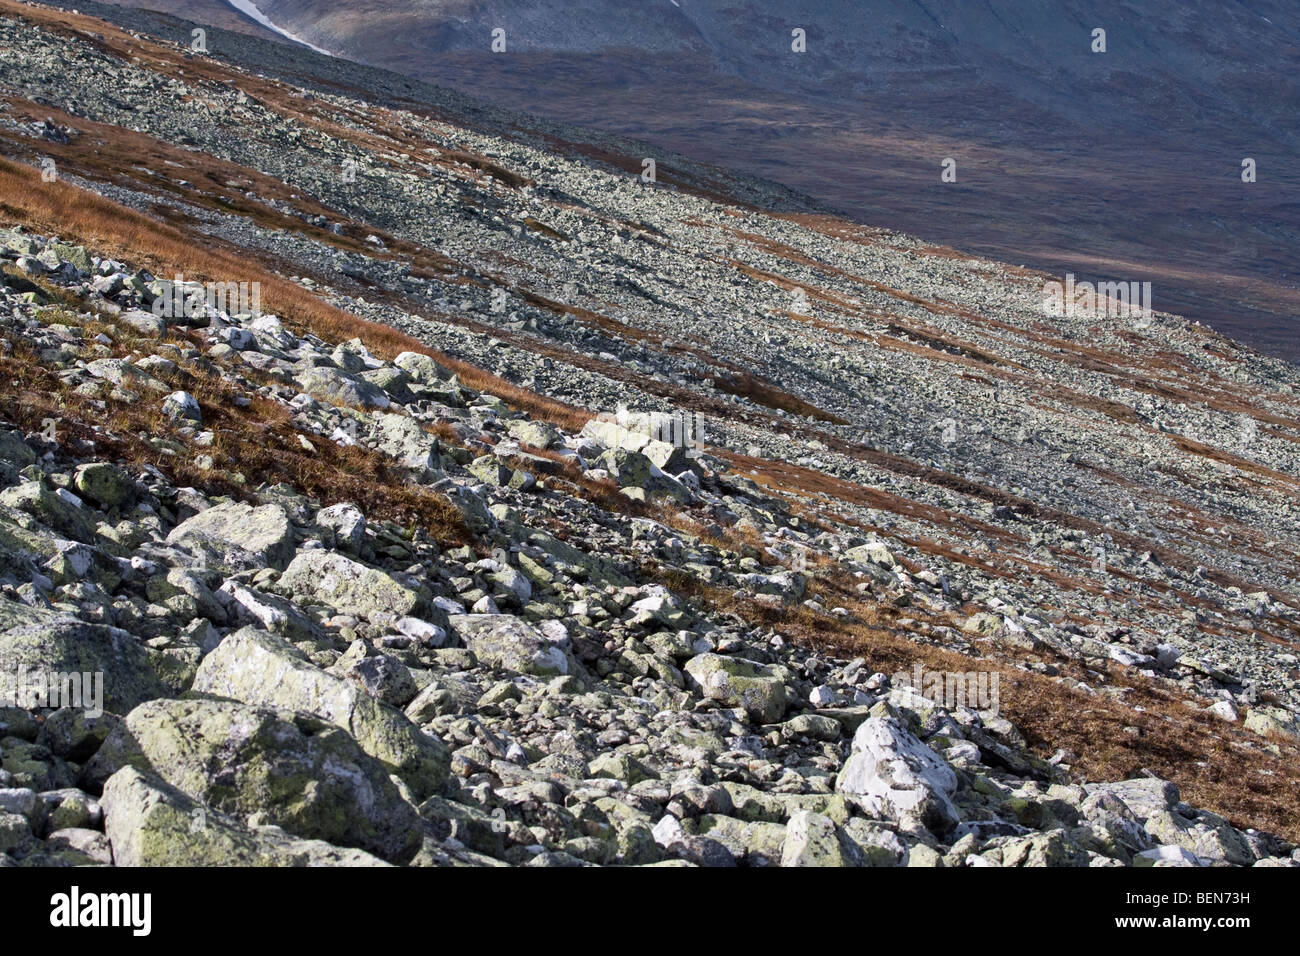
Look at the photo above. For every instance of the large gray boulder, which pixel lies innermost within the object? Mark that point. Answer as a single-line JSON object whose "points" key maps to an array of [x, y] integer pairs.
{"points": [[402, 439], [151, 823], [339, 388], [105, 484], [634, 472], [260, 669], [513, 644], [129, 672], [423, 369], [758, 688], [813, 839], [343, 526], [325, 577], [638, 435], [237, 536], [893, 774], [50, 508], [124, 374], [15, 455], [534, 433], [297, 771]]}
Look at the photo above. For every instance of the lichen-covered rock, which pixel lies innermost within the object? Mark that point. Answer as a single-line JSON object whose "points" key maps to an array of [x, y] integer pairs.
{"points": [[1209, 836], [382, 676], [340, 388], [324, 577], [873, 552], [52, 508], [633, 470], [104, 484], [151, 823], [124, 374], [473, 509], [515, 645], [753, 842], [257, 668], [183, 405], [235, 535], [128, 672], [248, 605], [343, 526], [402, 439], [74, 734], [638, 435], [758, 688], [536, 434], [15, 455], [1268, 720], [493, 471], [296, 771], [422, 368], [812, 839]]}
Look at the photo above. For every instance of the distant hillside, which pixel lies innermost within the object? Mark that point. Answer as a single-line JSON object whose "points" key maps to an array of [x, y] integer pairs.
{"points": [[1117, 165]]}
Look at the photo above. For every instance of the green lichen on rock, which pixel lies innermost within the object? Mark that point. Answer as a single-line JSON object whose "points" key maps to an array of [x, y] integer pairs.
{"points": [[294, 770], [758, 688], [151, 823], [325, 577], [260, 669]]}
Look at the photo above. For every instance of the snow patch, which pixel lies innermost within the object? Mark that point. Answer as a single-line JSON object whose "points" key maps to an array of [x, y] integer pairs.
{"points": [[248, 9]]}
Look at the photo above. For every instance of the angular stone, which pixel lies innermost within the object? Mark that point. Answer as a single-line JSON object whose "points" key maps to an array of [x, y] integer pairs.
{"points": [[339, 388], [182, 405], [759, 844], [402, 439], [237, 536], [323, 577], [151, 823], [758, 688], [15, 455], [146, 323], [422, 368], [632, 469], [536, 434], [115, 662], [296, 771], [104, 484], [512, 644], [125, 375], [873, 552], [814, 840], [344, 527], [51, 509], [895, 775], [260, 669]]}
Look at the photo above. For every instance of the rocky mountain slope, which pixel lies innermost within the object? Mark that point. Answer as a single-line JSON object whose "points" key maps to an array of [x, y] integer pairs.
{"points": [[1117, 164], [375, 570]]}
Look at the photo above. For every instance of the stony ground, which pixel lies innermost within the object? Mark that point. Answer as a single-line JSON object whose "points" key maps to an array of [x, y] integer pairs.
{"points": [[369, 580]]}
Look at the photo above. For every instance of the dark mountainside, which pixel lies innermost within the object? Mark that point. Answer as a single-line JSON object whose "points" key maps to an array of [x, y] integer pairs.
{"points": [[1118, 165]]}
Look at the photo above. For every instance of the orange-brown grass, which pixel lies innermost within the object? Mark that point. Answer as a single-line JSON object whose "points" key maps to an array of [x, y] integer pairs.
{"points": [[211, 182], [257, 444], [111, 228]]}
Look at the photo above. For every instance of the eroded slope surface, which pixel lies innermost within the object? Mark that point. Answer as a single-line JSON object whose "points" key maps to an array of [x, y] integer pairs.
{"points": [[539, 639]]}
